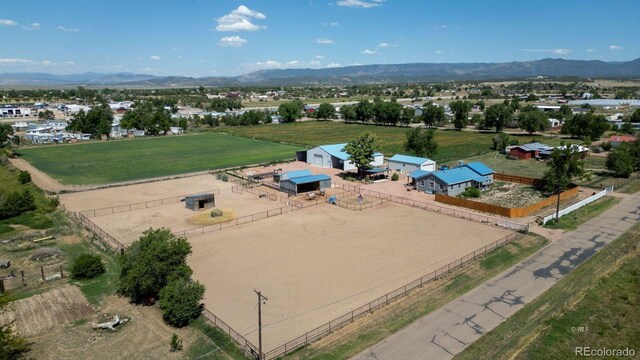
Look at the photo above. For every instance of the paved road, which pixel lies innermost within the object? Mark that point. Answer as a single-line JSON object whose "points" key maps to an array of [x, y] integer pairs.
{"points": [[447, 331]]}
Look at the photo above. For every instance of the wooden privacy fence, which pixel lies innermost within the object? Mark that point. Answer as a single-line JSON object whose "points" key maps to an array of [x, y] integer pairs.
{"points": [[141, 205], [440, 209], [517, 179], [383, 300], [504, 211]]}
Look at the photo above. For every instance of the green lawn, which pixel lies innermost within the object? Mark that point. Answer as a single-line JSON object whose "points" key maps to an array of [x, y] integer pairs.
{"points": [[452, 145], [572, 220], [105, 162]]}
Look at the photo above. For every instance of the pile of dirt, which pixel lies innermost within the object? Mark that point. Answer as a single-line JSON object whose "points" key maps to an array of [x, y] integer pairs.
{"points": [[45, 253]]}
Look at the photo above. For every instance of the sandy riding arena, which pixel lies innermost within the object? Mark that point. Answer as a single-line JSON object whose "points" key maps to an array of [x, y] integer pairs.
{"points": [[318, 263]]}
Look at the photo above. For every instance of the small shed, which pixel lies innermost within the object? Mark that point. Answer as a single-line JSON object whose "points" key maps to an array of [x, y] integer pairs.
{"points": [[296, 182], [406, 163], [200, 201]]}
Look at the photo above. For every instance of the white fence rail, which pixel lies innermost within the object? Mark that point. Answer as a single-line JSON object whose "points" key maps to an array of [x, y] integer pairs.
{"points": [[578, 205]]}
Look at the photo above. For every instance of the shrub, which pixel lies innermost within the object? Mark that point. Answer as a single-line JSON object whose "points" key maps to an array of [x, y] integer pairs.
{"points": [[180, 301], [87, 266], [395, 177], [471, 192], [17, 203], [176, 343], [216, 212], [606, 146], [54, 202], [24, 177], [224, 177]]}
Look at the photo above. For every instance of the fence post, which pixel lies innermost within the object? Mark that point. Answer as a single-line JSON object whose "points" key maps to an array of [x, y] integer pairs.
{"points": [[42, 272]]}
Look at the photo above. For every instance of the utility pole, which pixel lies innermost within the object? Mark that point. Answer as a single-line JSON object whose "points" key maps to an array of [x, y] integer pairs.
{"points": [[261, 298]]}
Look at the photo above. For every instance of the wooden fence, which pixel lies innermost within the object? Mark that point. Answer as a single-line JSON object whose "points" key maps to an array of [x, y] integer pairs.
{"points": [[517, 179], [504, 211], [383, 300], [512, 225], [91, 226]]}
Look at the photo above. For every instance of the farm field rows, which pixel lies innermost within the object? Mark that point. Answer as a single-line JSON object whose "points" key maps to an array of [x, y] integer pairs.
{"points": [[452, 145], [105, 162]]}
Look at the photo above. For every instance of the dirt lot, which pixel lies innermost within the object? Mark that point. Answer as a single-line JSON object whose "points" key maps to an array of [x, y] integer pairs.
{"points": [[318, 263], [128, 226], [510, 195], [115, 196], [39, 313]]}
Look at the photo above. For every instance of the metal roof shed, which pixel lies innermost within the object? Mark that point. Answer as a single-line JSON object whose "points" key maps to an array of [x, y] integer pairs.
{"points": [[304, 183], [200, 201]]}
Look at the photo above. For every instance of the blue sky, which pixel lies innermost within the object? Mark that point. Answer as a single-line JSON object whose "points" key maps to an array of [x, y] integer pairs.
{"points": [[228, 37]]}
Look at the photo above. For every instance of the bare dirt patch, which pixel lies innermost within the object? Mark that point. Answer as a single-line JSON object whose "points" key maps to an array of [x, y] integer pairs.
{"points": [[511, 195], [318, 263], [145, 336], [37, 314]]}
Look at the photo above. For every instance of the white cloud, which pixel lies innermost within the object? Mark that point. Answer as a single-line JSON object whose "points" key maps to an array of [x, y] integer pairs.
{"points": [[359, 3], [439, 52], [319, 57], [274, 64], [368, 52], [553, 51], [46, 62], [333, 65], [240, 20], [59, 27], [32, 26], [232, 41], [16, 61], [155, 57], [386, 45], [591, 50], [615, 47], [8, 22], [324, 41], [437, 27], [333, 23], [180, 57], [69, 63]]}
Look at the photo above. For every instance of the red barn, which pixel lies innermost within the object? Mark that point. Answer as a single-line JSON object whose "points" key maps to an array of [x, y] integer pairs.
{"points": [[527, 151]]}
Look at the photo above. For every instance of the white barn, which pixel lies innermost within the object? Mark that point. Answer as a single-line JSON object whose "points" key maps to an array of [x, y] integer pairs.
{"points": [[406, 163], [334, 156]]}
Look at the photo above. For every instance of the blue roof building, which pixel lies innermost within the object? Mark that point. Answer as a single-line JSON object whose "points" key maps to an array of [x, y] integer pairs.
{"points": [[406, 163], [300, 181], [334, 156], [453, 181]]}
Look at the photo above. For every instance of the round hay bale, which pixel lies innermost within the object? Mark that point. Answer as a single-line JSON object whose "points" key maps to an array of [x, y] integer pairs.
{"points": [[216, 213], [206, 219]]}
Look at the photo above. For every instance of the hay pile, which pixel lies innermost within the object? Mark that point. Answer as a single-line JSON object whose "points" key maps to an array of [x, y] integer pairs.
{"points": [[205, 217]]}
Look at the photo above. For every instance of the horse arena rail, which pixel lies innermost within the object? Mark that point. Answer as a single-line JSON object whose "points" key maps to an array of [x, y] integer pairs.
{"points": [[141, 205], [440, 209], [355, 206], [249, 348], [383, 300], [91, 226]]}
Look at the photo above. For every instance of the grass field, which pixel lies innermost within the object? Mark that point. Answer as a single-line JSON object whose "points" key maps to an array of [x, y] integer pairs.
{"points": [[452, 145], [574, 219], [105, 162]]}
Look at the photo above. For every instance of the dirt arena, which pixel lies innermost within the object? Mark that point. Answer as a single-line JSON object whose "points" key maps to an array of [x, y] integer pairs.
{"points": [[318, 263]]}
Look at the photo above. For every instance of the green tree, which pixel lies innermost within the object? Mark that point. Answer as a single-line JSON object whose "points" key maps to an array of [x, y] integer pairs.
{"points": [[6, 133], [627, 128], [364, 111], [150, 262], [24, 177], [348, 113], [421, 142], [291, 111], [532, 121], [16, 203], [407, 116], [460, 111], [180, 301], [432, 114], [498, 116], [87, 266], [563, 167], [586, 125], [325, 111], [361, 150], [46, 115], [635, 116], [620, 160]]}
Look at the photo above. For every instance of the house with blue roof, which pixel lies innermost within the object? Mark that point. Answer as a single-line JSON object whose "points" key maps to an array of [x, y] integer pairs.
{"points": [[406, 163], [453, 181], [302, 181], [333, 156]]}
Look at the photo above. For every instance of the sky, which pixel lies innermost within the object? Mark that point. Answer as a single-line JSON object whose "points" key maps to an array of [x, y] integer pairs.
{"points": [[227, 37]]}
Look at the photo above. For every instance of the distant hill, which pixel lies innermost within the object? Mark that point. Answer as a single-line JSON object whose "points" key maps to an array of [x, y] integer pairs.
{"points": [[362, 74]]}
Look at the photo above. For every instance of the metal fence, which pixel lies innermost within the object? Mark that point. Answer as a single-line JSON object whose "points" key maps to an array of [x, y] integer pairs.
{"points": [[247, 346], [91, 226], [140, 205], [439, 209], [361, 311]]}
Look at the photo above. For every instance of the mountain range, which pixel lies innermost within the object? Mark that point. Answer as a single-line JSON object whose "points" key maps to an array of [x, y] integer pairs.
{"points": [[350, 75]]}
